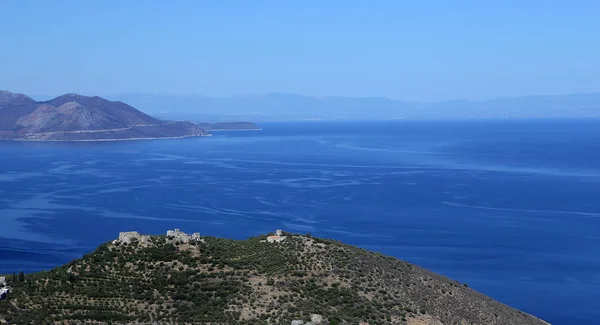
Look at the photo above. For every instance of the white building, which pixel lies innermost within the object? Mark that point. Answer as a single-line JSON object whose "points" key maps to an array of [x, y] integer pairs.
{"points": [[277, 238], [2, 280], [173, 233], [4, 292], [182, 237]]}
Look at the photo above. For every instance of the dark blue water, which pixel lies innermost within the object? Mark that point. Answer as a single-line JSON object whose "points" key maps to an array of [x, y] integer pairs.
{"points": [[511, 208]]}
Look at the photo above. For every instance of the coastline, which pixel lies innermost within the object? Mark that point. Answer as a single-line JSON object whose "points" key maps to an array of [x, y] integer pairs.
{"points": [[225, 130], [133, 139], [108, 140]]}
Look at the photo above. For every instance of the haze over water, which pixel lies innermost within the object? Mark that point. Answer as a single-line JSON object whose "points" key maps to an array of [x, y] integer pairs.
{"points": [[510, 207]]}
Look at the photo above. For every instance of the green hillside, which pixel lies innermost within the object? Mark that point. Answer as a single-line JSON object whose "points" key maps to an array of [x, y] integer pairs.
{"points": [[222, 281]]}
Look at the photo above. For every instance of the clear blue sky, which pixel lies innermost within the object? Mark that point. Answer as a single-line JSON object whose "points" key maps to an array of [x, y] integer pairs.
{"points": [[415, 50]]}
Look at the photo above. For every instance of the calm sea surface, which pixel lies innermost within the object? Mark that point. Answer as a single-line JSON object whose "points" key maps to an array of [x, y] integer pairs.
{"points": [[511, 208]]}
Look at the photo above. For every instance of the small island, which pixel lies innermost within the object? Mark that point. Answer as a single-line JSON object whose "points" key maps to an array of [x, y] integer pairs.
{"points": [[276, 278]]}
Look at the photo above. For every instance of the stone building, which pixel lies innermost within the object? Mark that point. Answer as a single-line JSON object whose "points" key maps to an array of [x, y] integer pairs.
{"points": [[277, 238], [179, 236], [2, 281], [127, 237], [174, 236]]}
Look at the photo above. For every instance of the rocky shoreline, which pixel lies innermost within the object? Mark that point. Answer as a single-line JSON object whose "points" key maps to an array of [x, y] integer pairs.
{"points": [[108, 140]]}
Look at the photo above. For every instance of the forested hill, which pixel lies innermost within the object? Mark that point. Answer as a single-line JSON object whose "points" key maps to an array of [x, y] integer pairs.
{"points": [[160, 280]]}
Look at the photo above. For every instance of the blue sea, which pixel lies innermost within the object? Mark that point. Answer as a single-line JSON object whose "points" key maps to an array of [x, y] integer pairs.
{"points": [[510, 207]]}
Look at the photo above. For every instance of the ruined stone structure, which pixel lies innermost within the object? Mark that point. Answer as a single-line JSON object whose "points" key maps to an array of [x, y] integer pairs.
{"points": [[174, 236], [177, 235], [128, 237]]}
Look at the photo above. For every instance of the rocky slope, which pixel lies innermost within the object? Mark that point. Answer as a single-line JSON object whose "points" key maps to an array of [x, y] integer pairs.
{"points": [[158, 280], [78, 118]]}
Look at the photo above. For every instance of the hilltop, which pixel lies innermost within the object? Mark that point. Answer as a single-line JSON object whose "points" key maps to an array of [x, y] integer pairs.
{"points": [[188, 279], [74, 117]]}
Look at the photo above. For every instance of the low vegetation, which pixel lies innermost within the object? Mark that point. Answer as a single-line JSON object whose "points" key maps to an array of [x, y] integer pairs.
{"points": [[224, 281]]}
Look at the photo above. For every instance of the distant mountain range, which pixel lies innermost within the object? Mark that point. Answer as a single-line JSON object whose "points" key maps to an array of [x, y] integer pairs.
{"points": [[74, 117], [274, 107]]}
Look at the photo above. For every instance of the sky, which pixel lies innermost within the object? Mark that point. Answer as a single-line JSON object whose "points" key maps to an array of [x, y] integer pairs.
{"points": [[426, 50]]}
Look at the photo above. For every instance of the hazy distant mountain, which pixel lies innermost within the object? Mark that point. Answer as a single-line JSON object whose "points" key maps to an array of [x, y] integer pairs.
{"points": [[76, 117], [298, 107]]}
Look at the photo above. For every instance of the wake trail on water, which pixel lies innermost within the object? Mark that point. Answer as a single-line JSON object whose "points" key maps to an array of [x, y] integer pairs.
{"points": [[578, 213], [433, 159]]}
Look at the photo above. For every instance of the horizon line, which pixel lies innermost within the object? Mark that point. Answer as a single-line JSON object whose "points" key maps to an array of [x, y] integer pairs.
{"points": [[256, 95]]}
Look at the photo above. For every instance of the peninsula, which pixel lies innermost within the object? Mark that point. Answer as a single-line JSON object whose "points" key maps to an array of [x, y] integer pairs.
{"points": [[74, 117], [278, 278], [230, 126]]}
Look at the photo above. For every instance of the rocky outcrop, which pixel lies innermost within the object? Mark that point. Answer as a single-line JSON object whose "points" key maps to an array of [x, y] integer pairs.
{"points": [[315, 319]]}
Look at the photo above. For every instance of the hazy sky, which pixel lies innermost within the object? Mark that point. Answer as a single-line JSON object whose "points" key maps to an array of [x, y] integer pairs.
{"points": [[414, 50]]}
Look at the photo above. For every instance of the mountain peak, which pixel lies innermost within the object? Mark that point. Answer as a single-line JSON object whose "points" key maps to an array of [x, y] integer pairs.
{"points": [[76, 117], [72, 97], [6, 96]]}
